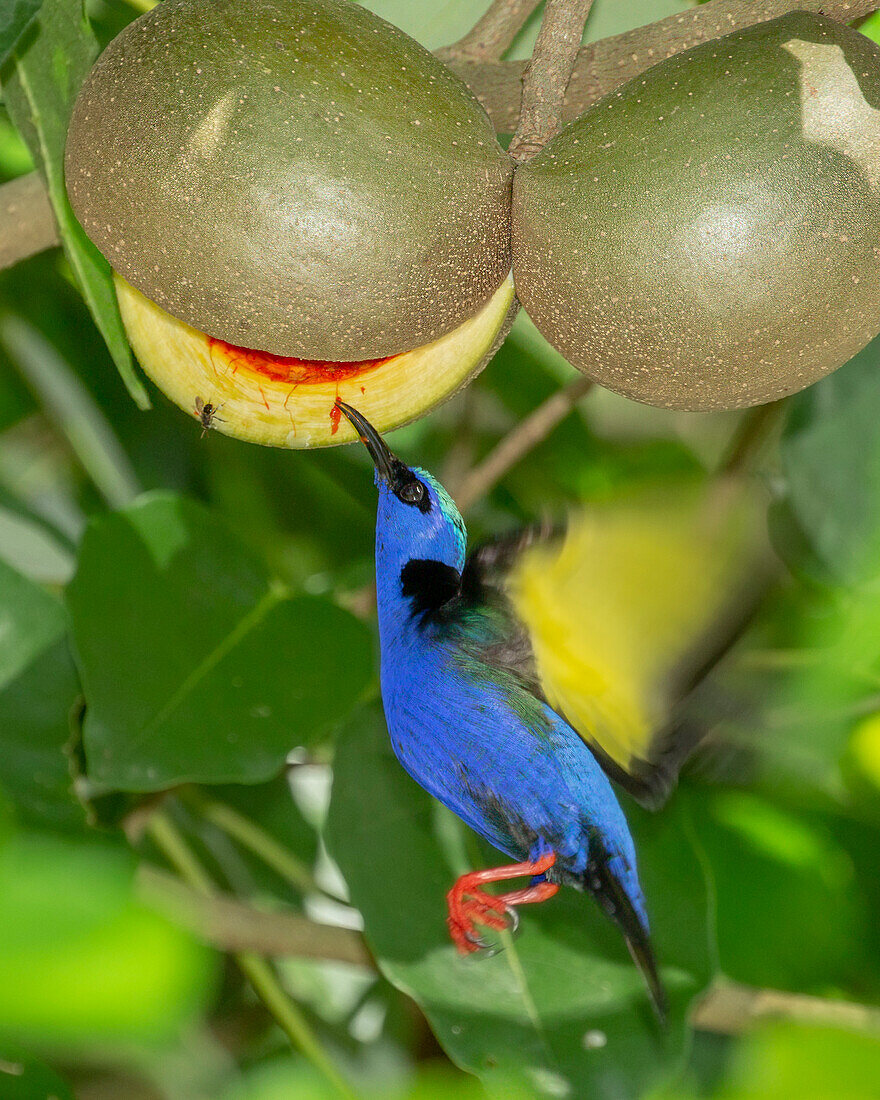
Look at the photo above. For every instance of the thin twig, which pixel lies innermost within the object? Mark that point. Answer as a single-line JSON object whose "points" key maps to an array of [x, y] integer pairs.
{"points": [[603, 66], [547, 75], [72, 410], [750, 435], [233, 925], [289, 1018], [517, 443], [287, 1015], [729, 1009], [493, 34]]}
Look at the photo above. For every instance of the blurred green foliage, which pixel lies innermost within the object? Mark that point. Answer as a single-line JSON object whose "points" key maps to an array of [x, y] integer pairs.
{"points": [[82, 961], [177, 633]]}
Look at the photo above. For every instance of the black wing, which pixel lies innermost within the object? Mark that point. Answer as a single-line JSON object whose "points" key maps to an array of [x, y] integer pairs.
{"points": [[483, 586]]}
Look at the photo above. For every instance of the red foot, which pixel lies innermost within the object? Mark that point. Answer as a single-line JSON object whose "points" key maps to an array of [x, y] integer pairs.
{"points": [[470, 906]]}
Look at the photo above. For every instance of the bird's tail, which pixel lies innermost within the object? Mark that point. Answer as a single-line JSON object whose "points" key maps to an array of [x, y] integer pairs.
{"points": [[643, 956], [608, 890]]}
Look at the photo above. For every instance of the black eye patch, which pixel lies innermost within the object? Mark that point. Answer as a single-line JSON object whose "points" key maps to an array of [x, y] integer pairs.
{"points": [[430, 585]]}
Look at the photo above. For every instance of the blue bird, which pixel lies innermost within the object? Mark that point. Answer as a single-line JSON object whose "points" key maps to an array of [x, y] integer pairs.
{"points": [[467, 724], [469, 719]]}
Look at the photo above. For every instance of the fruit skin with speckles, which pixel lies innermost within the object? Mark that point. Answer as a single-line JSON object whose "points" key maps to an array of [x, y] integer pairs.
{"points": [[708, 236], [291, 175]]}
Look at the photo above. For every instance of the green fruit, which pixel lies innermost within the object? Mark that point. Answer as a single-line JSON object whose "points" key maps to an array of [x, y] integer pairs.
{"points": [[708, 236], [296, 176]]}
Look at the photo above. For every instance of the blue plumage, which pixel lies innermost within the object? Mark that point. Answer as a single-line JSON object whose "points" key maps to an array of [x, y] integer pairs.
{"points": [[468, 724]]}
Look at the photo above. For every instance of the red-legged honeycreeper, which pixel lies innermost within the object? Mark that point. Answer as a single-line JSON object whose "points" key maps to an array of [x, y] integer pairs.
{"points": [[469, 722]]}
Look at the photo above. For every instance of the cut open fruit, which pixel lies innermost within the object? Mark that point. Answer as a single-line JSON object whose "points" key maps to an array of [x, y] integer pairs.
{"points": [[302, 178], [286, 402]]}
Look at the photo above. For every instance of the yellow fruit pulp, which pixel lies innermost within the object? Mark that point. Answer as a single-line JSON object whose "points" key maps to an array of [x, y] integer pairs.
{"points": [[285, 402]]}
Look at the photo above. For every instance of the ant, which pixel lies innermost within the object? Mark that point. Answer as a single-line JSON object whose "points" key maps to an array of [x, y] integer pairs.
{"points": [[206, 414]]}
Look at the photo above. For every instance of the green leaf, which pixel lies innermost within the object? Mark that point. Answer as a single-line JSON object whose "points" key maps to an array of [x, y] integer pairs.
{"points": [[195, 665], [562, 1010], [30, 621], [286, 1079], [68, 403], [788, 873], [38, 686], [40, 83], [831, 460], [15, 17]]}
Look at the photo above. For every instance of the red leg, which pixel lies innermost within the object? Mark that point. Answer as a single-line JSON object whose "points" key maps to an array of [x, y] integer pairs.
{"points": [[469, 905]]}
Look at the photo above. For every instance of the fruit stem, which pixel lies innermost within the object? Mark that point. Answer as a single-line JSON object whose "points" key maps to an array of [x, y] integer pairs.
{"points": [[547, 75], [603, 66]]}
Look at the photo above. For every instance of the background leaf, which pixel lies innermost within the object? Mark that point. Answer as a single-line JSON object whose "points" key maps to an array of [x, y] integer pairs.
{"points": [[40, 83], [812, 1063], [830, 456], [38, 687], [15, 17], [195, 665]]}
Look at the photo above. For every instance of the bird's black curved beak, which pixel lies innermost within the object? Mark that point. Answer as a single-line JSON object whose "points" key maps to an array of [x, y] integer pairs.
{"points": [[386, 463]]}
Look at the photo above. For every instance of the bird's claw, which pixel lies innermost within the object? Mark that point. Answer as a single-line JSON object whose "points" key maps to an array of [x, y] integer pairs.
{"points": [[467, 910], [480, 944]]}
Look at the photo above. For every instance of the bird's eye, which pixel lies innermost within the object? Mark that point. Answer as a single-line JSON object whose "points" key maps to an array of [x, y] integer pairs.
{"points": [[412, 492]]}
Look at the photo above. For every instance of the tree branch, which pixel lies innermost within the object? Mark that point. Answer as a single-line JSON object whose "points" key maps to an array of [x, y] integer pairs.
{"points": [[517, 443], [251, 836], [492, 35], [730, 1009], [547, 74], [727, 1008], [27, 224], [287, 1014], [603, 66], [233, 925]]}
